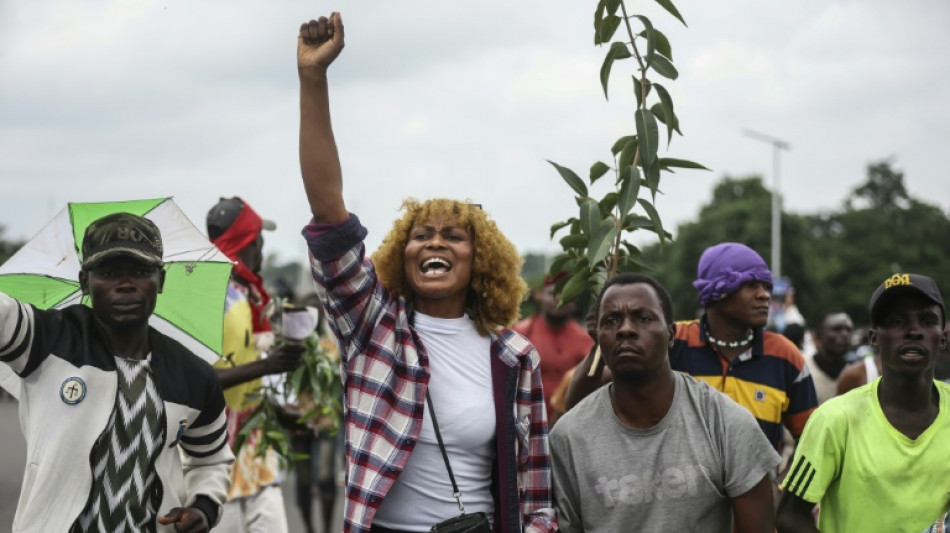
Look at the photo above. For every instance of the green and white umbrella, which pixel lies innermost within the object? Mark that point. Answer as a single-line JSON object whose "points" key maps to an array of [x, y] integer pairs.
{"points": [[190, 309]]}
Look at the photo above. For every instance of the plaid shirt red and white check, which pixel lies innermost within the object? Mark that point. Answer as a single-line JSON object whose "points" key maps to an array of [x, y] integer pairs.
{"points": [[386, 375]]}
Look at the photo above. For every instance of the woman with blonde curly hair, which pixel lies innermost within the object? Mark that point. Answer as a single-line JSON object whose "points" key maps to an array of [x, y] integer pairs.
{"points": [[425, 320], [496, 288]]}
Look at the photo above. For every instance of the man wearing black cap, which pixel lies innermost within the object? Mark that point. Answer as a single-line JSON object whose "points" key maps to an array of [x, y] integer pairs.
{"points": [[877, 458], [125, 427], [255, 496]]}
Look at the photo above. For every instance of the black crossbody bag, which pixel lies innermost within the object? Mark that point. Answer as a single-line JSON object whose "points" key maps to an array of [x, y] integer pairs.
{"points": [[463, 523]]}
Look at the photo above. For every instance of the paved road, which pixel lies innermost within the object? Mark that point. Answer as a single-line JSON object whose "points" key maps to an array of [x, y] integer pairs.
{"points": [[13, 457]]}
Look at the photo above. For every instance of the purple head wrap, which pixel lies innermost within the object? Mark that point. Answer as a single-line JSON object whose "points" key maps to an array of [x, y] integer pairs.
{"points": [[723, 268]]}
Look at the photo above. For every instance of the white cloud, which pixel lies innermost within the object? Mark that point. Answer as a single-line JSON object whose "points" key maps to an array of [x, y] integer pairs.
{"points": [[105, 99]]}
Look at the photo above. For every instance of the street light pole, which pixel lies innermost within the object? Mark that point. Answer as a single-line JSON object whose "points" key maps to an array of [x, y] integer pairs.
{"points": [[777, 144]]}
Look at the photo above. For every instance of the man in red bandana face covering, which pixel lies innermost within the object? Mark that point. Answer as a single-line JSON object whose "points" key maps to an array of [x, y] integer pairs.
{"points": [[255, 496]]}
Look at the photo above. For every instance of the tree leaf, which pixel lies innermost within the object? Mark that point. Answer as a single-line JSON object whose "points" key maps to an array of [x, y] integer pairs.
{"points": [[633, 222], [580, 265], [574, 286], [628, 152], [668, 162], [621, 142], [571, 178], [598, 20], [657, 110], [255, 421], [597, 170], [631, 249], [608, 202], [653, 178], [661, 43], [617, 51], [558, 264], [648, 136], [296, 379], [602, 241], [654, 217], [663, 66], [638, 84], [574, 240], [556, 227], [641, 265], [651, 42], [608, 27], [612, 6], [629, 189], [590, 216], [672, 122], [668, 5]]}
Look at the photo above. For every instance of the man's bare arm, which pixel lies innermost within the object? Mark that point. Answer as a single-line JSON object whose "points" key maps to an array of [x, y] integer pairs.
{"points": [[283, 359], [753, 510], [794, 515]]}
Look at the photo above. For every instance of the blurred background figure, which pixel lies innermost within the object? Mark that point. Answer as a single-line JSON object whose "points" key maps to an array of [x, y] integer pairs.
{"points": [[796, 334], [782, 308], [942, 366], [557, 399], [867, 365], [833, 352], [321, 438], [255, 499], [561, 342]]}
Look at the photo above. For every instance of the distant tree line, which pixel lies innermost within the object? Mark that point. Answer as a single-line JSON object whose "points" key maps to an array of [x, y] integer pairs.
{"points": [[834, 259]]}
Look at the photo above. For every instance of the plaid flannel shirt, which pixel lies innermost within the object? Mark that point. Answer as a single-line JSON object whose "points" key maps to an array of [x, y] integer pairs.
{"points": [[385, 378]]}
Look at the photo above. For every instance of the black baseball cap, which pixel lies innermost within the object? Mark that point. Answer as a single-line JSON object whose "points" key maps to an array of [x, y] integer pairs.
{"points": [[903, 284], [121, 234], [225, 212]]}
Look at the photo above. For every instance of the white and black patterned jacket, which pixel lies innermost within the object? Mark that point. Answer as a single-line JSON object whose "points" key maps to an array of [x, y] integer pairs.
{"points": [[67, 393]]}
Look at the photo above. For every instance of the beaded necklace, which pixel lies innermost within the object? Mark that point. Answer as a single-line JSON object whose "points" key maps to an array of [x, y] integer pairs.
{"points": [[730, 344]]}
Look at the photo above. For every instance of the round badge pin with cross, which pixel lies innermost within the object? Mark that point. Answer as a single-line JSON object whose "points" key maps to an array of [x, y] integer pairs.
{"points": [[72, 391]]}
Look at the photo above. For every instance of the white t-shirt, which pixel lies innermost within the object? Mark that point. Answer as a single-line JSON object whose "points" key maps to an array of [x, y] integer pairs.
{"points": [[460, 385]]}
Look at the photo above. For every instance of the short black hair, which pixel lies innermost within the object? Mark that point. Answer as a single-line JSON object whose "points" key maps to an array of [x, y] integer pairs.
{"points": [[795, 332], [629, 278]]}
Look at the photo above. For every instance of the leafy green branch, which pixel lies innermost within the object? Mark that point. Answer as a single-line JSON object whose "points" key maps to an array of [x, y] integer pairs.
{"points": [[595, 248], [309, 398]]}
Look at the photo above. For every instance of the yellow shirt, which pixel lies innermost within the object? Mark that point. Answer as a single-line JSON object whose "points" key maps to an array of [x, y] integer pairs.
{"points": [[240, 346]]}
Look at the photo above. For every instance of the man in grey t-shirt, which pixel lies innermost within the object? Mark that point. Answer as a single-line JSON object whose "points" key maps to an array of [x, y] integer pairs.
{"points": [[656, 450]]}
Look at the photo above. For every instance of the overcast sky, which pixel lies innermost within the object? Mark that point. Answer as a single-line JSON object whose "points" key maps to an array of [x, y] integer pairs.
{"points": [[113, 100]]}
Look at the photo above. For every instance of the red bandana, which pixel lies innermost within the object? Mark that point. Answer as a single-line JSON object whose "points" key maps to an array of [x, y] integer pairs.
{"points": [[243, 231]]}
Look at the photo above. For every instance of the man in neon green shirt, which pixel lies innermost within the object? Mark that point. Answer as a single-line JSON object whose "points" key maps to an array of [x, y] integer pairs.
{"points": [[878, 458]]}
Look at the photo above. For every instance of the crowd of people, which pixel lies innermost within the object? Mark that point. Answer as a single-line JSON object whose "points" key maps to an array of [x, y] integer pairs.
{"points": [[460, 417]]}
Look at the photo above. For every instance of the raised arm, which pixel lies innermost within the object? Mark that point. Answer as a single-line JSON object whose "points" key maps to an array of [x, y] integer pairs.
{"points": [[318, 45]]}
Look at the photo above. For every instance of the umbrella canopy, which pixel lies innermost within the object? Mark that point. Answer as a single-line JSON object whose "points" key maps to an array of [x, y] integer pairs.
{"points": [[190, 309]]}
